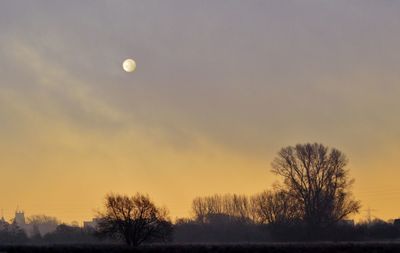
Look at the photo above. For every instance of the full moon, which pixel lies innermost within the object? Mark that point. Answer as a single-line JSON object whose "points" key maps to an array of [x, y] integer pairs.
{"points": [[129, 65]]}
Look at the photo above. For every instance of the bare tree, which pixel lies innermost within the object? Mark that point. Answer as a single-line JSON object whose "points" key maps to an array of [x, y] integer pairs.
{"points": [[274, 207], [238, 206], [42, 224], [228, 206], [200, 209], [315, 176], [134, 219]]}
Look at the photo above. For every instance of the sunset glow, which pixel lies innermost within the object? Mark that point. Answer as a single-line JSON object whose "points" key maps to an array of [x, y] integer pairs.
{"points": [[221, 88]]}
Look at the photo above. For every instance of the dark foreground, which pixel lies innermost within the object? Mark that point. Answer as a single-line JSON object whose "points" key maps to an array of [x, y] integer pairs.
{"points": [[273, 248]]}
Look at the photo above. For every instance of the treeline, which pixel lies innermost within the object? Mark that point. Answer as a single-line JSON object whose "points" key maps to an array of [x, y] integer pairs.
{"points": [[313, 203], [266, 217], [272, 206], [63, 234], [226, 218]]}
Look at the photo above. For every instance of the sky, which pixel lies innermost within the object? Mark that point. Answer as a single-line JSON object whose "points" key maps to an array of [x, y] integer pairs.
{"points": [[220, 87]]}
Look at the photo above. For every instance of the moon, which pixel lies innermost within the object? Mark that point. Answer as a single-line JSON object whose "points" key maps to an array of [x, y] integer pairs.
{"points": [[129, 65]]}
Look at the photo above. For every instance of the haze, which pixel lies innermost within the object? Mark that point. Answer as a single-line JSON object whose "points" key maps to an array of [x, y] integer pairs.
{"points": [[220, 89]]}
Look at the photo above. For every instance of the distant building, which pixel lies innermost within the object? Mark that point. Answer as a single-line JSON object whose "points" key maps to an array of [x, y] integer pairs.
{"points": [[20, 221], [33, 227], [20, 218], [91, 224]]}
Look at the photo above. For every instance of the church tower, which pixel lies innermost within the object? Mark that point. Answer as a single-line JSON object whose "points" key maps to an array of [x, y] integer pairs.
{"points": [[19, 217]]}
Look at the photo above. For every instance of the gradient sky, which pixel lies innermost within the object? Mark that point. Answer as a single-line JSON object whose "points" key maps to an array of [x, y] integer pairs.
{"points": [[220, 87]]}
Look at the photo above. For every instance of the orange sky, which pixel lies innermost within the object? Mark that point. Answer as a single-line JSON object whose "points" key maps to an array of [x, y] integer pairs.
{"points": [[218, 90]]}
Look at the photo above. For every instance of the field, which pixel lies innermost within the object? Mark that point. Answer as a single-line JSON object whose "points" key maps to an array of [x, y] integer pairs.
{"points": [[238, 248]]}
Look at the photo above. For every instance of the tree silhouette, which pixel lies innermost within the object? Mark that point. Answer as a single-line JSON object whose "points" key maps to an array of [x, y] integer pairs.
{"points": [[229, 206], [275, 207], [42, 224], [315, 176], [134, 219]]}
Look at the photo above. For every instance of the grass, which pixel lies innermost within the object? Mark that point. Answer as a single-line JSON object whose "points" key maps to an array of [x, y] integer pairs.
{"points": [[371, 247]]}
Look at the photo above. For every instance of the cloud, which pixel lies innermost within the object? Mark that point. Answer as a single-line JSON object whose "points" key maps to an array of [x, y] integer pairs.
{"points": [[217, 87]]}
